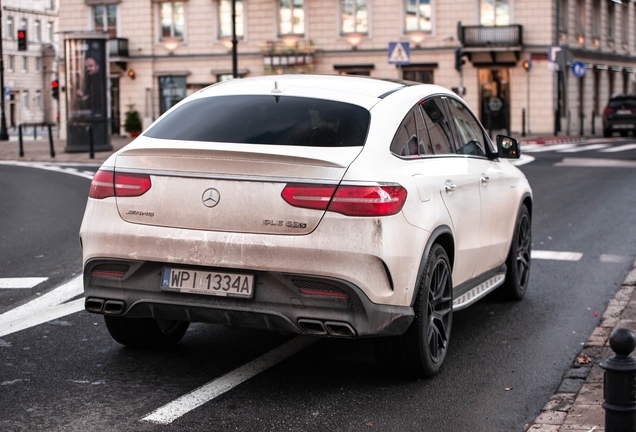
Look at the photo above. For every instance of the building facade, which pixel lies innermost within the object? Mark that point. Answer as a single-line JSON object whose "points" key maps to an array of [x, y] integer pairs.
{"points": [[161, 51], [30, 64]]}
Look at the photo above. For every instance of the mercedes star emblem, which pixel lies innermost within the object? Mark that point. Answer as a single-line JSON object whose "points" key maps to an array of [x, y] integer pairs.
{"points": [[211, 197]]}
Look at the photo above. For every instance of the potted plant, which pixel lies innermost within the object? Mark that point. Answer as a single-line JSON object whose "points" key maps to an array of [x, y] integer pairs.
{"points": [[132, 123]]}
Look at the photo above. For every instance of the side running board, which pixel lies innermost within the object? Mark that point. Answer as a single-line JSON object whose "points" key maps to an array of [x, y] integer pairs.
{"points": [[474, 294]]}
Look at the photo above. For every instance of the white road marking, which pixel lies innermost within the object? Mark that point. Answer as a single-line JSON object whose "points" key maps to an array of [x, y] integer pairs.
{"points": [[546, 148], [523, 159], [45, 308], [50, 167], [619, 148], [530, 147], [553, 255], [27, 282], [584, 148], [616, 258], [596, 163], [186, 403]]}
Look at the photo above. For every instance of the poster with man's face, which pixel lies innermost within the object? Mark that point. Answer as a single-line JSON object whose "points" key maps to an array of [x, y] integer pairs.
{"points": [[86, 79]]}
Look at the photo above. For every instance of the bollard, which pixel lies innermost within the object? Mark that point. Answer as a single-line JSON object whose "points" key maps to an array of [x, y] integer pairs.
{"points": [[581, 119], [619, 383], [20, 140], [91, 145], [51, 142], [593, 122], [523, 122], [35, 132]]}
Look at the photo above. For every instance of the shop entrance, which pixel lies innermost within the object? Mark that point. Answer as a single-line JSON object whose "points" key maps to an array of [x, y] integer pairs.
{"points": [[494, 90]]}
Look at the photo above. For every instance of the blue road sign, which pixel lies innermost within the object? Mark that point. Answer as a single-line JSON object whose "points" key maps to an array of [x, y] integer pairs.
{"points": [[7, 92], [578, 69], [399, 53]]}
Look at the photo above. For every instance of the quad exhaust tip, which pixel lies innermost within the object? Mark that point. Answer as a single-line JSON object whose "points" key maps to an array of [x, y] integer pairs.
{"points": [[332, 328], [107, 307]]}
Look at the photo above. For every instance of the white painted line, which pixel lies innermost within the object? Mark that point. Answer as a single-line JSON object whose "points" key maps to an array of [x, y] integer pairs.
{"points": [[530, 147], [28, 282], [616, 258], [596, 163], [523, 159], [49, 167], [619, 148], [547, 148], [558, 256], [45, 308], [186, 403], [584, 148]]}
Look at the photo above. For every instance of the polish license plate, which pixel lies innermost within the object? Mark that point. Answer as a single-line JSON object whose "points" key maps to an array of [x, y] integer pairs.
{"points": [[623, 112], [209, 283]]}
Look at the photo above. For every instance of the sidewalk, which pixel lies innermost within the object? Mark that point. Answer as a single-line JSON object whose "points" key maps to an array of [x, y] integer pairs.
{"points": [[39, 150]]}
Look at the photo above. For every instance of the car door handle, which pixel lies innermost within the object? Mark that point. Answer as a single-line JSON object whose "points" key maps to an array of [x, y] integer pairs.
{"points": [[484, 179], [450, 187]]}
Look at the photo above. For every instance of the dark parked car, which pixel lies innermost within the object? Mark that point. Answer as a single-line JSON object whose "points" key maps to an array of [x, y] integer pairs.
{"points": [[619, 115]]}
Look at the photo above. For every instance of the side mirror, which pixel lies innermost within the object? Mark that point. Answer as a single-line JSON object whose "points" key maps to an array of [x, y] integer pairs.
{"points": [[507, 147]]}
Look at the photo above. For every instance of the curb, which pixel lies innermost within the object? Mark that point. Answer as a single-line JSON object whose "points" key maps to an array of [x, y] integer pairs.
{"points": [[555, 140], [576, 404]]}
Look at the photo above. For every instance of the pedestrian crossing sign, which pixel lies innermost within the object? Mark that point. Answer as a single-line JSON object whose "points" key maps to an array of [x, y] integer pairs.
{"points": [[399, 53]]}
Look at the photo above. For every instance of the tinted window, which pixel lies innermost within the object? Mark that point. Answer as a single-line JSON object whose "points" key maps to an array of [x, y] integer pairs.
{"points": [[437, 124], [405, 140], [266, 120], [471, 140], [620, 103]]}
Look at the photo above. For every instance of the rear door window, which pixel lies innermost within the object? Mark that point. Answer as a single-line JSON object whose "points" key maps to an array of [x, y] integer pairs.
{"points": [[263, 119], [439, 128]]}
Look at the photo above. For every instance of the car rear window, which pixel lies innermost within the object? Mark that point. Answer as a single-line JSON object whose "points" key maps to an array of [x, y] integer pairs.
{"points": [[628, 103], [263, 119]]}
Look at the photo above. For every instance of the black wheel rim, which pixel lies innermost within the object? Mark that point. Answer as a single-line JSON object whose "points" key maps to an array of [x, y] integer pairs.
{"points": [[524, 239], [440, 310]]}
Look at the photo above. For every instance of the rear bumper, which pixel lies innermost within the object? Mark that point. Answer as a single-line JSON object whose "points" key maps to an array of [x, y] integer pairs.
{"points": [[277, 304]]}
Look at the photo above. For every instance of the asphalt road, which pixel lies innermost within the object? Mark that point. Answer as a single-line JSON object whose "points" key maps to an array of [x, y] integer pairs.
{"points": [[506, 358]]}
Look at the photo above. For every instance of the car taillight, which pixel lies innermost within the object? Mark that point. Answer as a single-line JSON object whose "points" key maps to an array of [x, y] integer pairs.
{"points": [[608, 111], [380, 200], [107, 184]]}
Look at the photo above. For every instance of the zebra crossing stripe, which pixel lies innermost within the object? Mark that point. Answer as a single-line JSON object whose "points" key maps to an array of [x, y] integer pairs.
{"points": [[584, 148], [619, 148]]}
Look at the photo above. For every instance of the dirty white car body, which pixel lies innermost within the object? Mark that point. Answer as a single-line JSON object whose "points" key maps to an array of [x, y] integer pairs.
{"points": [[181, 229]]}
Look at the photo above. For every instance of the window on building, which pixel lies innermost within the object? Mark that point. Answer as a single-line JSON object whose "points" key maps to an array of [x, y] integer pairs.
{"points": [[225, 18], [291, 15], [417, 74], [624, 23], [37, 31], [23, 24], [25, 99], [610, 20], [48, 4], [49, 31], [105, 19], [38, 99], [494, 12], [580, 17], [172, 89], [596, 18], [418, 15], [25, 64], [354, 16], [172, 20], [38, 64], [563, 16], [10, 28], [11, 66]]}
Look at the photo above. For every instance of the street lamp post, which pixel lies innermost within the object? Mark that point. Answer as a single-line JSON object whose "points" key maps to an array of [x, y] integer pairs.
{"points": [[4, 136]]}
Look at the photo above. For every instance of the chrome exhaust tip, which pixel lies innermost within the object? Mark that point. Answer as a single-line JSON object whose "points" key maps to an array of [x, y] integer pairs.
{"points": [[340, 329], [313, 327]]}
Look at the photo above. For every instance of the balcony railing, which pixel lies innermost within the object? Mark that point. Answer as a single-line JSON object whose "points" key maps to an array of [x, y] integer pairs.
{"points": [[118, 47], [487, 37]]}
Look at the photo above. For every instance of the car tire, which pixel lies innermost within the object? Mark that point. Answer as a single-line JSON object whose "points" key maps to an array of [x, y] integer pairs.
{"points": [[420, 352], [145, 333], [519, 259], [607, 133]]}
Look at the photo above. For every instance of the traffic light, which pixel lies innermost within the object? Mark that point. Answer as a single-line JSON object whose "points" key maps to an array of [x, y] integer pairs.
{"points": [[527, 63], [22, 40], [459, 61], [55, 89]]}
